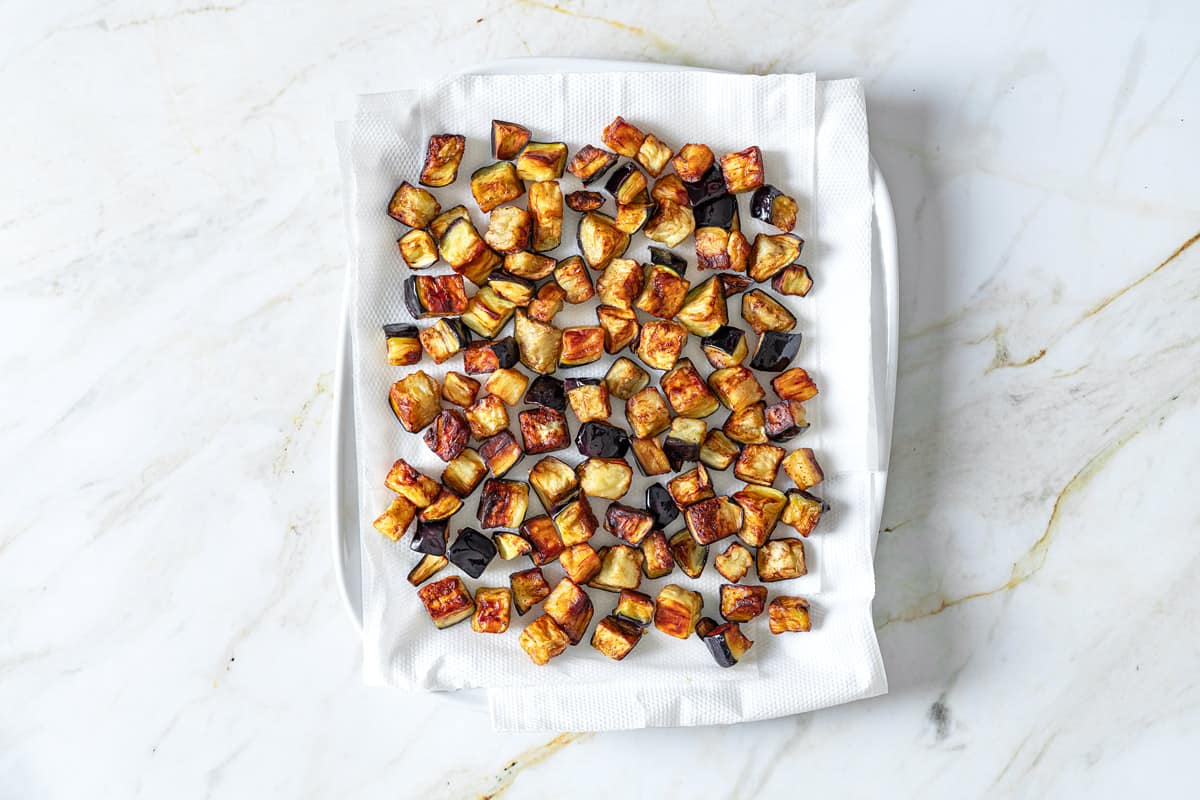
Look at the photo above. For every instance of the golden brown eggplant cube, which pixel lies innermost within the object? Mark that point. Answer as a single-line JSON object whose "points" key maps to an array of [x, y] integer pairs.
{"points": [[736, 387], [503, 504], [459, 389], [487, 417], [718, 451], [531, 266], [541, 533], [501, 452], [657, 560], [575, 521], [647, 413], [553, 481], [539, 343], [690, 555], [546, 208], [529, 588], [620, 283], [444, 339], [626, 523], [625, 378], [615, 637], [620, 327], [581, 345], [651, 457], [635, 607], [743, 170], [687, 392], [653, 155], [573, 277], [759, 463], [623, 138], [802, 467], [445, 506], [511, 545], [670, 188], [509, 229], [442, 158], [447, 601], [663, 292], [569, 605], [547, 304], [620, 568], [670, 223], [771, 253], [781, 560], [677, 610], [465, 472], [789, 615], [803, 511], [508, 139], [712, 248], [426, 568], [413, 206], [763, 313], [542, 640], [414, 400], [395, 521], [713, 519], [590, 163], [406, 481], [734, 563], [761, 508], [590, 401], [747, 426], [508, 384], [541, 161], [418, 249], [794, 384], [487, 312], [793, 280], [600, 240], [742, 603], [691, 487], [584, 201], [660, 343], [704, 309], [493, 610], [442, 222], [608, 478], [495, 184], [727, 643], [580, 562], [448, 435], [692, 161], [543, 430], [466, 252]]}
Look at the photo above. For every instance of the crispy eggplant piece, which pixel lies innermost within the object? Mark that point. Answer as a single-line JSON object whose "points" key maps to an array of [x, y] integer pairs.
{"points": [[501, 452], [709, 186], [471, 552], [739, 251], [719, 212], [803, 511], [802, 467], [448, 435], [775, 351], [794, 384], [761, 507], [657, 560], [785, 420], [553, 481], [508, 384], [653, 155], [588, 398], [418, 249], [459, 389], [718, 451], [774, 207], [572, 276], [684, 440], [575, 521], [543, 430], [771, 253], [445, 338], [748, 425], [496, 184], [736, 387], [704, 626], [692, 162], [623, 138], [440, 223], [426, 568], [406, 481], [508, 139], [608, 478], [511, 545], [789, 615], [580, 562], [465, 472], [793, 280], [620, 327], [600, 240], [712, 248], [726, 347], [660, 505], [487, 417], [734, 563], [590, 164], [625, 378], [546, 208], [742, 603], [581, 345], [503, 504], [548, 391], [762, 313], [759, 463], [687, 392], [627, 184], [444, 506], [670, 187], [660, 343], [549, 301], [539, 343], [632, 217], [413, 206], [650, 457], [542, 640], [712, 520], [691, 487], [532, 266], [541, 161], [620, 283], [447, 601], [615, 637], [781, 560], [635, 607], [727, 644], [647, 413], [542, 534], [435, 296], [689, 554], [584, 201], [493, 610], [442, 157], [627, 524], [483, 357], [620, 568], [393, 522], [467, 253], [677, 610], [430, 537], [743, 170], [601, 440], [414, 400], [509, 229], [733, 284], [403, 344], [529, 587], [704, 311], [513, 288], [663, 292]]}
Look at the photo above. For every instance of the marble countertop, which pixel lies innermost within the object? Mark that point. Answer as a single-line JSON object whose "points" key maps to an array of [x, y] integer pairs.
{"points": [[169, 623]]}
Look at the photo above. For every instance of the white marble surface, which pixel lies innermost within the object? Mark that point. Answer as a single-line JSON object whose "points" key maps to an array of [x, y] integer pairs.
{"points": [[173, 248]]}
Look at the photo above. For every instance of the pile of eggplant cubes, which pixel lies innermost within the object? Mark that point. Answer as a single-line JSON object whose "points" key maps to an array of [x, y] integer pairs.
{"points": [[694, 194]]}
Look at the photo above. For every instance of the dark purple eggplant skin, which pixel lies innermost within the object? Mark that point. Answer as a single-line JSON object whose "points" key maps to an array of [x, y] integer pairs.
{"points": [[412, 300], [725, 339], [430, 537], [508, 277], [780, 425], [507, 352], [622, 173], [460, 331], [547, 391], [775, 351], [661, 506], [679, 451], [718, 212], [400, 330], [575, 383], [471, 552], [665, 258], [720, 650], [601, 440], [761, 202], [710, 185]]}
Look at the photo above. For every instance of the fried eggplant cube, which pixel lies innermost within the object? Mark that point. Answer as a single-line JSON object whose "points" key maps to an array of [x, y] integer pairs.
{"points": [[660, 505], [718, 212], [600, 240], [802, 467], [803, 511], [775, 351], [773, 207], [691, 487], [403, 344], [393, 522], [590, 163], [589, 399], [531, 266], [572, 276], [626, 523], [575, 521], [543, 430], [734, 563], [689, 554], [785, 420], [747, 426], [663, 292], [761, 507], [687, 392], [657, 560], [712, 248], [511, 545], [510, 229], [677, 610], [584, 201], [789, 615], [442, 157], [597, 439], [541, 161], [444, 339], [647, 413], [413, 206], [684, 440], [426, 568], [581, 345], [418, 249], [465, 472], [627, 184], [553, 481], [459, 389], [653, 155], [736, 387], [542, 640], [483, 357], [632, 217], [418, 488], [651, 458], [447, 601], [620, 568], [620, 283], [726, 347], [733, 284], [635, 607], [620, 327], [542, 534], [608, 478], [670, 223], [727, 644], [742, 603], [444, 506], [471, 552], [414, 400], [793, 280], [625, 378], [580, 562], [442, 222], [670, 187], [615, 637], [546, 208], [738, 249], [496, 184], [794, 384], [743, 170], [430, 537], [448, 435], [704, 310], [507, 384], [539, 343], [513, 288], [501, 452], [548, 303], [718, 451], [548, 391], [781, 560], [508, 139], [529, 587], [712, 520], [487, 417], [503, 504], [759, 463], [763, 313], [467, 253], [623, 138], [493, 610], [772, 252], [569, 605], [692, 162], [660, 343]]}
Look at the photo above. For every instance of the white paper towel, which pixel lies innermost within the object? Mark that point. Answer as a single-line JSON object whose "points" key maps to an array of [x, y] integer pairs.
{"points": [[814, 140]]}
